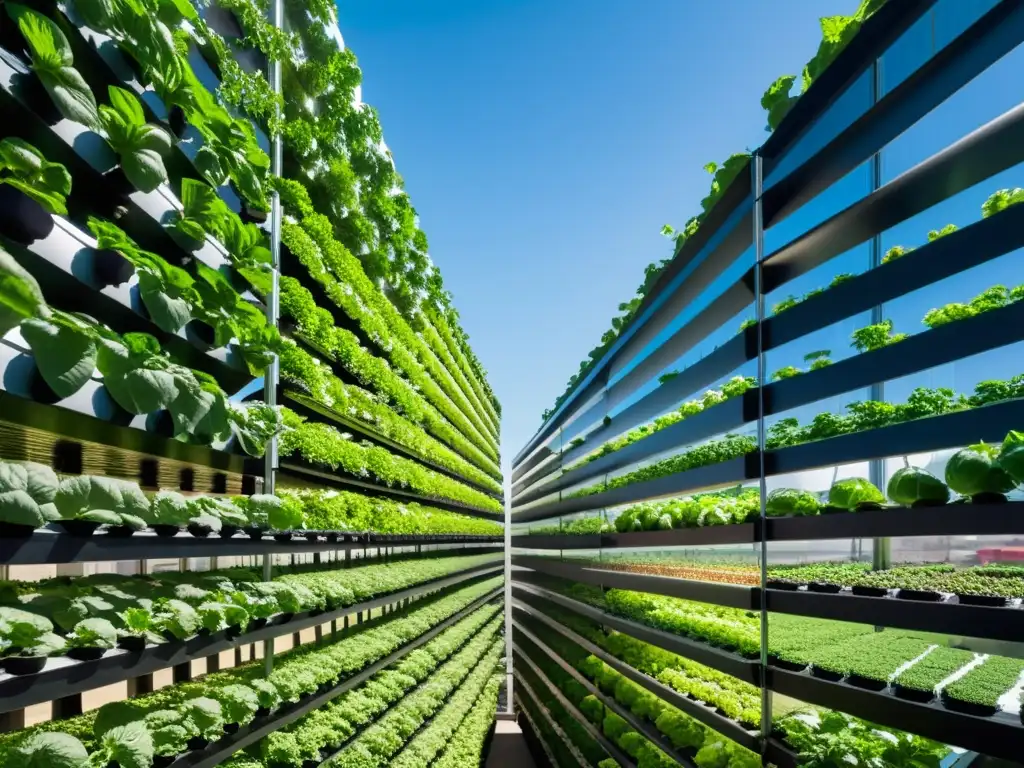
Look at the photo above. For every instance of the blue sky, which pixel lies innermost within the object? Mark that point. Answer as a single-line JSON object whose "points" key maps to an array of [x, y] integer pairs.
{"points": [[545, 143]]}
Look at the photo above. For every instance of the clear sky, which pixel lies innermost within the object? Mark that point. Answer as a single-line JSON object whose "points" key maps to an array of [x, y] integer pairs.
{"points": [[544, 144]]}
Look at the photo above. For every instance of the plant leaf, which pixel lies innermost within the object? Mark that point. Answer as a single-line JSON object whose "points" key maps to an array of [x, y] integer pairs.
{"points": [[64, 353], [72, 96], [50, 48], [144, 168], [168, 310], [20, 295]]}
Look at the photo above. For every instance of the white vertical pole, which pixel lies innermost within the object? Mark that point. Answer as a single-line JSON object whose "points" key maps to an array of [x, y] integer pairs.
{"points": [[508, 606], [272, 374]]}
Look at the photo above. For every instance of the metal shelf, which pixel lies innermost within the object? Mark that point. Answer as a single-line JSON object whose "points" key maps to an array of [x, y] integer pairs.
{"points": [[63, 677], [998, 736], [221, 750], [52, 547], [716, 593], [747, 670], [698, 710], [298, 472]]}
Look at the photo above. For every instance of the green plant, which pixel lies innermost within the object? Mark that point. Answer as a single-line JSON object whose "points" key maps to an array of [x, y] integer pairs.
{"points": [[935, 234], [54, 65], [975, 470], [141, 146], [912, 485], [1001, 200], [27, 492], [24, 167], [786, 373], [203, 211], [784, 502], [876, 336], [60, 750], [894, 253], [851, 492], [92, 633]]}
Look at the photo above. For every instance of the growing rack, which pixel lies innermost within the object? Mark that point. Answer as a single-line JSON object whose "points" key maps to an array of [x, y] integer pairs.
{"points": [[737, 263], [436, 492]]}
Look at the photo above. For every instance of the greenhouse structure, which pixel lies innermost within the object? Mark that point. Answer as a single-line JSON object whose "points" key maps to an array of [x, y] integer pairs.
{"points": [[252, 509]]}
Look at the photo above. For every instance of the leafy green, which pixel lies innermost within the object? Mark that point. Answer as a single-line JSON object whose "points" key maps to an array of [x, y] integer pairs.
{"points": [[129, 745], [20, 295], [65, 350], [93, 633], [783, 502], [24, 167], [178, 618], [207, 715], [53, 63], [974, 470], [50, 750], [27, 492], [203, 210], [141, 146], [1011, 456], [910, 485], [852, 491], [136, 374]]}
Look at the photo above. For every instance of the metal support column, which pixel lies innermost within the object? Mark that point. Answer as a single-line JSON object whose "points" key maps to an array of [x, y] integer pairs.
{"points": [[272, 375], [509, 708], [757, 185], [881, 549]]}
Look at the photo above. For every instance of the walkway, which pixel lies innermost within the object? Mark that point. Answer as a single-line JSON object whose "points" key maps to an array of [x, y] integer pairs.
{"points": [[508, 747]]}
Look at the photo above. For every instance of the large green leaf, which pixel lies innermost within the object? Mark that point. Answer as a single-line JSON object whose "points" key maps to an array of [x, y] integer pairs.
{"points": [[209, 164], [164, 302], [20, 295], [135, 388], [65, 353], [72, 96], [18, 508], [50, 48], [144, 168], [127, 105], [20, 156], [101, 15]]}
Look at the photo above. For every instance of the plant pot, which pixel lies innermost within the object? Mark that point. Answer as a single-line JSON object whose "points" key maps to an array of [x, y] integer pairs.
{"points": [[132, 643], [333, 537], [199, 531], [230, 728], [282, 618], [120, 531], [259, 623], [867, 683], [789, 586], [176, 120], [828, 589], [988, 498], [24, 665], [204, 632], [283, 536], [186, 243], [85, 654], [110, 268], [913, 694], [254, 533], [77, 527], [252, 215], [233, 631], [163, 761], [22, 219], [927, 503], [311, 536], [827, 674], [198, 742], [227, 531], [863, 591], [117, 183], [868, 506], [828, 509], [993, 601], [968, 708], [310, 764], [15, 531], [923, 595], [202, 332], [263, 712], [166, 531]]}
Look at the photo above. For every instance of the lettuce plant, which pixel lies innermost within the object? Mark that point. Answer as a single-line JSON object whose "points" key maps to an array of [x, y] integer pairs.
{"points": [[170, 730], [27, 492], [64, 346], [140, 145], [20, 294], [203, 211], [24, 167], [101, 500], [54, 65], [177, 618], [59, 750], [129, 746], [92, 633], [207, 715], [238, 703]]}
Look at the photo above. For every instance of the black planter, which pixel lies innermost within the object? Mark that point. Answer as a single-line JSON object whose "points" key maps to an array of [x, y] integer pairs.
{"points": [[120, 531], [227, 531], [166, 531], [259, 623], [176, 120], [110, 267], [923, 595], [993, 601], [827, 674], [118, 183], [199, 531], [988, 498], [233, 631], [283, 618], [867, 683], [283, 536], [77, 527], [85, 654], [867, 506], [186, 243], [929, 503], [22, 219], [132, 643], [198, 742], [15, 531], [263, 712], [202, 332], [789, 586], [968, 708], [163, 761], [828, 589], [24, 665], [913, 694], [333, 537], [254, 533], [863, 591], [312, 536], [204, 632], [230, 728], [252, 215]]}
